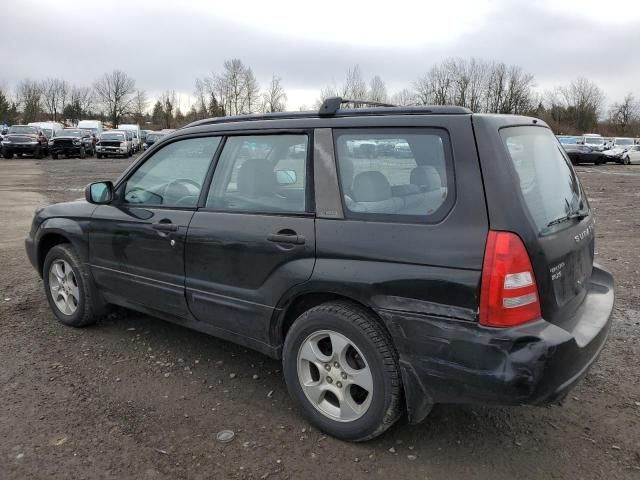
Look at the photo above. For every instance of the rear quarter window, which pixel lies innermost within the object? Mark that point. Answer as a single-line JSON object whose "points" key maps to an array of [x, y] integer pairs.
{"points": [[398, 175], [549, 185]]}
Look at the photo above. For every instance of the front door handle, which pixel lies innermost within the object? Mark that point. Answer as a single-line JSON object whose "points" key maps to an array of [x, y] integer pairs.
{"points": [[164, 227], [281, 237]]}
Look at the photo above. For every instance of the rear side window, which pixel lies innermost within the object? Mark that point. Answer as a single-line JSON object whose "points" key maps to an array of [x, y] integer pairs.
{"points": [[395, 174], [548, 184]]}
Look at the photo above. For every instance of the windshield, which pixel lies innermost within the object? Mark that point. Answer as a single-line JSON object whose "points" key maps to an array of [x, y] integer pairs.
{"points": [[112, 137], [151, 137], [567, 141], [624, 141], [548, 184], [69, 133], [594, 140], [24, 130], [47, 132]]}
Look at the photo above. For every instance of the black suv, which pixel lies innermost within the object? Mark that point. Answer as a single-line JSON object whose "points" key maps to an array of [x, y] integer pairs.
{"points": [[72, 142], [392, 257]]}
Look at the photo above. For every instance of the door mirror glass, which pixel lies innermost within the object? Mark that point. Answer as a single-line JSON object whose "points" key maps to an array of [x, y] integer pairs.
{"points": [[99, 193], [286, 177]]}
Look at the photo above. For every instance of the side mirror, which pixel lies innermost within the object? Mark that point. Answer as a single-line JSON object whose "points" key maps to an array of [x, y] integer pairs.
{"points": [[99, 193], [286, 177]]}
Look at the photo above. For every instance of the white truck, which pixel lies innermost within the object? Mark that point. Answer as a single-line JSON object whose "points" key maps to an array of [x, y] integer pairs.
{"points": [[94, 126], [135, 129]]}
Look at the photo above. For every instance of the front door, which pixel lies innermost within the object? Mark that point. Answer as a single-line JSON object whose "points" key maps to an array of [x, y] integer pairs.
{"points": [[254, 239], [137, 242]]}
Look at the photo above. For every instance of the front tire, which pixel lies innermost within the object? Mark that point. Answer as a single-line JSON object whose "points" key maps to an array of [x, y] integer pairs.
{"points": [[68, 288], [626, 160], [341, 368], [83, 153]]}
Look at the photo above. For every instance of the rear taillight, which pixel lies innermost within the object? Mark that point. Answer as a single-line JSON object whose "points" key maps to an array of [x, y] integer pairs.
{"points": [[508, 291]]}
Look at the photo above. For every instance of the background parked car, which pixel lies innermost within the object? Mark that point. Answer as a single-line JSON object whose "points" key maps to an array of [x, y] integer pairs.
{"points": [[135, 134], [151, 138], [23, 139], [583, 154], [623, 142], [72, 142], [633, 155], [94, 126], [113, 143]]}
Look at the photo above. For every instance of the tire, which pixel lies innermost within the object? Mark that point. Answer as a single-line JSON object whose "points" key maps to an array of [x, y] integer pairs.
{"points": [[38, 153], [369, 350], [83, 153], [7, 155], [626, 160], [86, 308], [98, 155], [54, 156]]}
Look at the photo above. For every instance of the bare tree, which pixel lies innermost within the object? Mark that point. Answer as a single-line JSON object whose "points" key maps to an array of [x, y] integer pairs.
{"points": [[625, 114], [378, 90], [355, 87], [251, 91], [274, 98], [115, 91], [169, 103], [139, 105], [54, 96], [584, 99], [404, 97], [29, 95]]}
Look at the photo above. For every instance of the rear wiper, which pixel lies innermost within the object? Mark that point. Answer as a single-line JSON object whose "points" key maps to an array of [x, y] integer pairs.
{"points": [[566, 218]]}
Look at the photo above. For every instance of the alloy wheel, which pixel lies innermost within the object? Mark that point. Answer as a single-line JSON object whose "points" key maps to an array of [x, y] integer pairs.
{"points": [[335, 376], [63, 286]]}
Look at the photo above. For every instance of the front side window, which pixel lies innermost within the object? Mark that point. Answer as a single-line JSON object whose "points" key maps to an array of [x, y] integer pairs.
{"points": [[399, 173], [262, 173], [173, 176]]}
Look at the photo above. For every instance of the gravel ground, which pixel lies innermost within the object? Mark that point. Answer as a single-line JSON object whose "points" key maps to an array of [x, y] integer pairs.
{"points": [[135, 397]]}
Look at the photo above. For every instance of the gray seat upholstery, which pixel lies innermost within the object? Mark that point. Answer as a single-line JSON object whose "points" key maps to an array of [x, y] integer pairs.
{"points": [[426, 177], [372, 194]]}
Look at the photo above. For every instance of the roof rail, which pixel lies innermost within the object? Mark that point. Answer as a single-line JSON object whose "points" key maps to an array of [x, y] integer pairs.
{"points": [[332, 104]]}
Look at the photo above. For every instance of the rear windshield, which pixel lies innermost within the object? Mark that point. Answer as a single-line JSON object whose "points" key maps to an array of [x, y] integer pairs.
{"points": [[548, 183]]}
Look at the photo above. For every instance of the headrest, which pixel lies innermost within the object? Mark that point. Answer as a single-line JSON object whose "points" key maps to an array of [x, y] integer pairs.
{"points": [[371, 186], [427, 177], [346, 174], [256, 178]]}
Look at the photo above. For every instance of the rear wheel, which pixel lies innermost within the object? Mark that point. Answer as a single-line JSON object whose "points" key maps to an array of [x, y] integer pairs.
{"points": [[68, 289], [342, 369]]}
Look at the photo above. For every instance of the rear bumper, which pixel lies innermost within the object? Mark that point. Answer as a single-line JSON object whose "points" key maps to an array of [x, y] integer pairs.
{"points": [[445, 361]]}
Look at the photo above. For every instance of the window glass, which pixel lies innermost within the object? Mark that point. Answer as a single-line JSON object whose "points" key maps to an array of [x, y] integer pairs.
{"points": [[397, 173], [549, 185], [173, 176], [265, 173]]}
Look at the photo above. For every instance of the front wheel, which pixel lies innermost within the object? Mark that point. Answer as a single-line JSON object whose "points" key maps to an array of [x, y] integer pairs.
{"points": [[626, 160], [83, 153], [68, 289], [341, 368]]}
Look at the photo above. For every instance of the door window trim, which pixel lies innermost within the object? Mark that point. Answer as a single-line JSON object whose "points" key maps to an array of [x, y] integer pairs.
{"points": [[309, 197]]}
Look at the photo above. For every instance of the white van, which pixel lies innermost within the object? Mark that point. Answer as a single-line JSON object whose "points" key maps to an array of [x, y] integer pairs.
{"points": [[623, 142], [48, 129], [594, 141], [135, 129], [94, 126]]}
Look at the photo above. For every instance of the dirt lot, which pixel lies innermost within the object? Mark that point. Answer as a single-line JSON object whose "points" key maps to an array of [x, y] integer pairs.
{"points": [[135, 397]]}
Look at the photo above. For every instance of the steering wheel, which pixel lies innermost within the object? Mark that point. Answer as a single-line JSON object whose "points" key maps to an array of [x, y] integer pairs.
{"points": [[182, 182]]}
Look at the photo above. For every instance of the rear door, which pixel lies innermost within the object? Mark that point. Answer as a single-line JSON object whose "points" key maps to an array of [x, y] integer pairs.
{"points": [[537, 194], [254, 239]]}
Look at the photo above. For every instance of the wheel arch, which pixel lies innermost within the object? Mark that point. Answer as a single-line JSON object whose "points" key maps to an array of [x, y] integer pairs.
{"points": [[57, 231]]}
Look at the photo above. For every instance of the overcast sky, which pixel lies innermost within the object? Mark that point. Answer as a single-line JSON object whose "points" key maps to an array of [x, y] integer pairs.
{"points": [[166, 45]]}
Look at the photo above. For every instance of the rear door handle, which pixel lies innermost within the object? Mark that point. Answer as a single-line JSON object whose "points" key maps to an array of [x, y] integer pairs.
{"points": [[286, 238], [165, 227]]}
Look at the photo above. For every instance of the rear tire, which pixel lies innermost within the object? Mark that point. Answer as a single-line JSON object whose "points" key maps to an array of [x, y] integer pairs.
{"points": [[67, 284], [342, 369]]}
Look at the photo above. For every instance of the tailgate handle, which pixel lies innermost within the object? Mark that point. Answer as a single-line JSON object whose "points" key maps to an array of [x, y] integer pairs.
{"points": [[286, 236]]}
